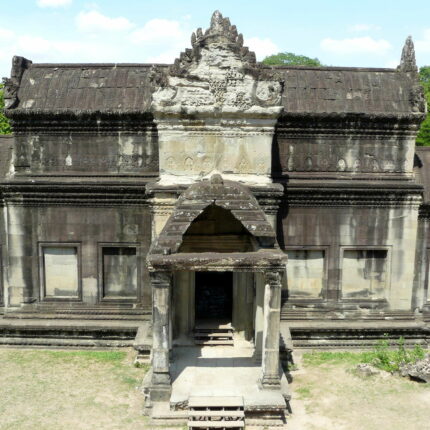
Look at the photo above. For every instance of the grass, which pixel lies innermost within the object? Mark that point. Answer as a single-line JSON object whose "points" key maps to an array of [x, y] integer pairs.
{"points": [[383, 356], [70, 389]]}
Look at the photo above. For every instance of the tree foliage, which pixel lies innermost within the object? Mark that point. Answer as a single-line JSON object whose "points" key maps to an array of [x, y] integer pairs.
{"points": [[5, 127], [423, 138], [290, 59]]}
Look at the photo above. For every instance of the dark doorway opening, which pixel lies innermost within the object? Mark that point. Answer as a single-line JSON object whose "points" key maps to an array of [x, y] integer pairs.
{"points": [[214, 296]]}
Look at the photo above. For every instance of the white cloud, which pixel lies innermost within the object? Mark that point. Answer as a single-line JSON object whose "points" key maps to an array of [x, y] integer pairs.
{"points": [[53, 3], [261, 47], [423, 45], [363, 27], [158, 31], [94, 21], [6, 34], [357, 45]]}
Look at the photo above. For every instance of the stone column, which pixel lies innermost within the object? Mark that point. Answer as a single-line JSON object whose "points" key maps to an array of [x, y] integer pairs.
{"points": [[270, 378], [161, 383], [20, 256]]}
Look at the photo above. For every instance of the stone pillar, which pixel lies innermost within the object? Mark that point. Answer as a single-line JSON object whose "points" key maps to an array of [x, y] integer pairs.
{"points": [[20, 256], [259, 316], [270, 378], [161, 383]]}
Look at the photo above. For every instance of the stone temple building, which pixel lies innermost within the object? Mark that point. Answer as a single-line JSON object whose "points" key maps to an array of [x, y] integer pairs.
{"points": [[215, 201]]}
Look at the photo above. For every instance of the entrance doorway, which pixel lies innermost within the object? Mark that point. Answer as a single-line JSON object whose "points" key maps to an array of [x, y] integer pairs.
{"points": [[214, 297]]}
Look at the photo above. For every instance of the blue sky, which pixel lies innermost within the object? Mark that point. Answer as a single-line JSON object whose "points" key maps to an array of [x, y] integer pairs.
{"points": [[339, 32]]}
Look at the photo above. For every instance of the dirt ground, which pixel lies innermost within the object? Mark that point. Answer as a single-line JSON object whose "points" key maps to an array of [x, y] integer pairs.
{"points": [[69, 390], [332, 396], [98, 390]]}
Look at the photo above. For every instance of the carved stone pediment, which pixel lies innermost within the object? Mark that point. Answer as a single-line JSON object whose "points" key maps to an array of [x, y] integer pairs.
{"points": [[218, 75]]}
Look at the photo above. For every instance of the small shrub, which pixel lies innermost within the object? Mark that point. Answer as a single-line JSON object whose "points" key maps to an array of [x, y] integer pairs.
{"points": [[391, 360]]}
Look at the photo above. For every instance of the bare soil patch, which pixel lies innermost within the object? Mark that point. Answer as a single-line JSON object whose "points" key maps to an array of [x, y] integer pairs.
{"points": [[332, 395]]}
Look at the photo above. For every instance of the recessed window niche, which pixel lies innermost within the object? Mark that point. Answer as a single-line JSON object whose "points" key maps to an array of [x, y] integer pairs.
{"points": [[364, 273], [306, 273], [119, 272], [60, 271]]}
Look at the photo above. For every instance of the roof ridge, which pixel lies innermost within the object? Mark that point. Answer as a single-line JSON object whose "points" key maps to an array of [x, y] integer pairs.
{"points": [[80, 65]]}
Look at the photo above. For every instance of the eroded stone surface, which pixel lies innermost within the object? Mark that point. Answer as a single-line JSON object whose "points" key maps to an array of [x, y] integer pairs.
{"points": [[419, 370]]}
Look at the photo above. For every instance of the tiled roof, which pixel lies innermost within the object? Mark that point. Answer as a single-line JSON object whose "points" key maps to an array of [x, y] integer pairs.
{"points": [[127, 88], [85, 88], [347, 91]]}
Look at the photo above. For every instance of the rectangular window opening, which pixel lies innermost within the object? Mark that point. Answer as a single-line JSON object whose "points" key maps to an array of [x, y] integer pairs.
{"points": [[61, 272], [364, 273], [119, 267], [306, 273]]}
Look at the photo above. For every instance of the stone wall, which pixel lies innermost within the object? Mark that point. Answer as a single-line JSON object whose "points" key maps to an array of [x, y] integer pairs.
{"points": [[87, 229], [81, 154], [338, 231]]}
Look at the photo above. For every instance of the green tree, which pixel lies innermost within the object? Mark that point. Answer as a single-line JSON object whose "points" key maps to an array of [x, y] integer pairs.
{"points": [[5, 127], [290, 59], [423, 138]]}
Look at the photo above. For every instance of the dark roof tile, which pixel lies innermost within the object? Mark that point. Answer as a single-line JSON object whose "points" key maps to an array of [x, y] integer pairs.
{"points": [[112, 87]]}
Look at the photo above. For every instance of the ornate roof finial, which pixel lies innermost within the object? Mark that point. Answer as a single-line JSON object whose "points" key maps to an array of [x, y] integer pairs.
{"points": [[11, 85], [216, 21], [408, 62]]}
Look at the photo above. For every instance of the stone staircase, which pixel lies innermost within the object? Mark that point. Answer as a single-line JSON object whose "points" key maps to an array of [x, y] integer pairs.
{"points": [[216, 413], [212, 335]]}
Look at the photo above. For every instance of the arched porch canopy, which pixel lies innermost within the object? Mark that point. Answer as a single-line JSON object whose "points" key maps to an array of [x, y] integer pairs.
{"points": [[165, 255]]}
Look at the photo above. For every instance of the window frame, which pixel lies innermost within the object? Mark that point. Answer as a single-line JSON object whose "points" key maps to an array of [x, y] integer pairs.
{"points": [[43, 296], [298, 300], [100, 277], [387, 248]]}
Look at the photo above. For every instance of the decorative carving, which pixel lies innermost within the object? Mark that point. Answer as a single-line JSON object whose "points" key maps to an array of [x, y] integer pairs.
{"points": [[273, 278], [341, 165], [218, 74], [161, 279], [11, 85], [407, 61], [300, 155], [417, 99], [188, 163]]}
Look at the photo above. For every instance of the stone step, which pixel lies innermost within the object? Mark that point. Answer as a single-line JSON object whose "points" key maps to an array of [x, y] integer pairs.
{"points": [[217, 414], [209, 334], [216, 424], [213, 336], [215, 402], [213, 342]]}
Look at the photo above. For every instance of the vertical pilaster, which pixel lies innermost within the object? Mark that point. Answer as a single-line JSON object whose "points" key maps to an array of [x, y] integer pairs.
{"points": [[259, 316], [270, 378], [20, 255], [160, 384]]}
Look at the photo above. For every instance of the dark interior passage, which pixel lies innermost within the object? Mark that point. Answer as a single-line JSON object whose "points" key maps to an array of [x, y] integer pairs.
{"points": [[214, 296]]}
